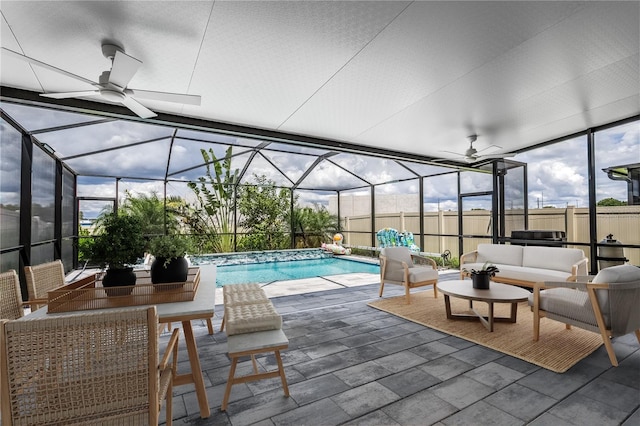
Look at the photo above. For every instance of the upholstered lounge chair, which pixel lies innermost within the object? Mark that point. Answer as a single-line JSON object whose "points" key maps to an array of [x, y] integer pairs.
{"points": [[91, 368], [397, 267], [607, 304]]}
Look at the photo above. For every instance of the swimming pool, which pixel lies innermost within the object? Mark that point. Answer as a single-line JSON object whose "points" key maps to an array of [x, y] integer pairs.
{"points": [[289, 270], [279, 265]]}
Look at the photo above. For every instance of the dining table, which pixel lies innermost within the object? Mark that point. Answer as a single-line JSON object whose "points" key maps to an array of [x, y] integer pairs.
{"points": [[200, 308]]}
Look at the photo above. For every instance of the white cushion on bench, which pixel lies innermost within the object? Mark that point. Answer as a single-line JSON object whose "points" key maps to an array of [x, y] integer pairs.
{"points": [[241, 287], [245, 298], [249, 318]]}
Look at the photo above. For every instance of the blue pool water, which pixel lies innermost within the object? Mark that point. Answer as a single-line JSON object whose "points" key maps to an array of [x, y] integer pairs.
{"points": [[289, 270]]}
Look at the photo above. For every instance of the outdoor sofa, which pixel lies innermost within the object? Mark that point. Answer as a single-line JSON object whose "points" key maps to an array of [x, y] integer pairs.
{"points": [[526, 265]]}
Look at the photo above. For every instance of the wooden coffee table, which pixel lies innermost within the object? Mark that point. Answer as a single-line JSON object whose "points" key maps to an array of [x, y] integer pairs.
{"points": [[497, 293]]}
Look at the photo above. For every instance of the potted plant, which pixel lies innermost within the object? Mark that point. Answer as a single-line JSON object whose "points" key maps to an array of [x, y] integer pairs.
{"points": [[120, 244], [169, 265], [480, 278]]}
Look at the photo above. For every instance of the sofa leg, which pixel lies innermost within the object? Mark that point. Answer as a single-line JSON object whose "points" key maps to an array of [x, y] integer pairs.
{"points": [[638, 335], [408, 295], [567, 326], [381, 288], [435, 290], [536, 325]]}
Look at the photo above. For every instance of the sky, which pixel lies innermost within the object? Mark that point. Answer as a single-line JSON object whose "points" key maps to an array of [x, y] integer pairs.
{"points": [[557, 174]]}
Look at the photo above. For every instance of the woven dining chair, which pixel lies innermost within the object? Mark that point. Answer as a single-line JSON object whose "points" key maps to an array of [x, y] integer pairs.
{"points": [[86, 368], [10, 296], [41, 279]]}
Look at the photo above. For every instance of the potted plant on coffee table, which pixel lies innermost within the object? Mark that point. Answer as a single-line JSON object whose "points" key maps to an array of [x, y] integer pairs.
{"points": [[119, 244], [480, 278], [170, 264]]}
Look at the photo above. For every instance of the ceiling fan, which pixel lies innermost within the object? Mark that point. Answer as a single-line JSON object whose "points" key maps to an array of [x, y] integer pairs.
{"points": [[472, 155], [112, 84]]}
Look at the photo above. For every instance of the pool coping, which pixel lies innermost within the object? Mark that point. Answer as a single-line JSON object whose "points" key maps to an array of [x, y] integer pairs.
{"points": [[321, 283]]}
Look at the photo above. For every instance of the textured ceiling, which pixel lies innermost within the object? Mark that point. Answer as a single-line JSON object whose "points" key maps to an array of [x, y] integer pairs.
{"points": [[412, 77]]}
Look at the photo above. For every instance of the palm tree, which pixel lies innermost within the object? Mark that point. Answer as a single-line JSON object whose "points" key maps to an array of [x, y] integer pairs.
{"points": [[150, 209], [313, 225]]}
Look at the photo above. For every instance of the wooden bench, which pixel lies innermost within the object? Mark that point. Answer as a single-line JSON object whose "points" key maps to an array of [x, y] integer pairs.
{"points": [[250, 344], [253, 327]]}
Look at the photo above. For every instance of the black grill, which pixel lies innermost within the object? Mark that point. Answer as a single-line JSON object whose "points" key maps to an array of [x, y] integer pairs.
{"points": [[532, 237]]}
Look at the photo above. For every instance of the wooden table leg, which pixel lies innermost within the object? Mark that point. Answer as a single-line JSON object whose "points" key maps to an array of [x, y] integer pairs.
{"points": [[447, 306], [487, 320], [491, 317], [196, 370]]}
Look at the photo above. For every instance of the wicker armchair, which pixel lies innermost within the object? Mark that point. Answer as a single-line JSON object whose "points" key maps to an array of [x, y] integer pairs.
{"points": [[89, 368], [606, 304], [41, 279], [10, 296], [397, 267]]}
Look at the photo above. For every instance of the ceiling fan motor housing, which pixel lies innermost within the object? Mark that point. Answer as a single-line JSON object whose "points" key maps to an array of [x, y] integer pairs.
{"points": [[109, 50], [112, 95]]}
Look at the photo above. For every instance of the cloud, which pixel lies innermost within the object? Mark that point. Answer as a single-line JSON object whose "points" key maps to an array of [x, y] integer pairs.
{"points": [[9, 158], [557, 173]]}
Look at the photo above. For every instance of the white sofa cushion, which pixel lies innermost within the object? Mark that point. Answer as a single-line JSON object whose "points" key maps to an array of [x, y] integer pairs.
{"points": [[499, 253], [523, 274], [533, 275], [556, 258]]}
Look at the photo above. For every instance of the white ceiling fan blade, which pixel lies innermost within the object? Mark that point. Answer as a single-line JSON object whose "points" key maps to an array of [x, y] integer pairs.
{"points": [[139, 109], [47, 66], [123, 69], [65, 95], [506, 154], [151, 95], [490, 147], [454, 153]]}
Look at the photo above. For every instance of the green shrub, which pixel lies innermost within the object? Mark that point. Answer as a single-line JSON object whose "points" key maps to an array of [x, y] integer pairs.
{"points": [[121, 241], [169, 246]]}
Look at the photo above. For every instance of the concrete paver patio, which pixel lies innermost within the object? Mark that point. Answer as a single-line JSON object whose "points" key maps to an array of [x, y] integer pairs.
{"points": [[351, 364]]}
